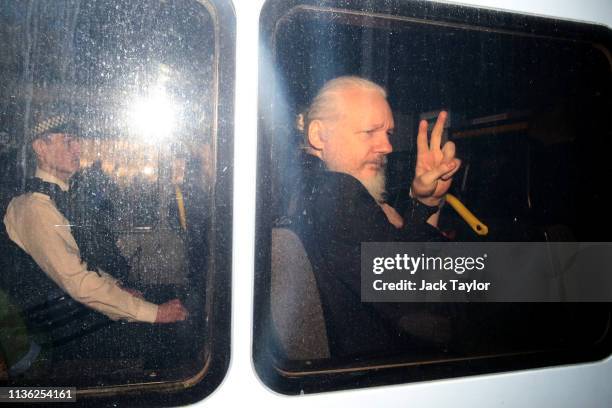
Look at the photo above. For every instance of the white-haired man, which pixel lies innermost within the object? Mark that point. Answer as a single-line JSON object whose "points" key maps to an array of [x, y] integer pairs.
{"points": [[342, 203]]}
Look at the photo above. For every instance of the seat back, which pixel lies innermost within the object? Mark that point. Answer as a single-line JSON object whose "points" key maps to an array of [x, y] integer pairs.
{"points": [[297, 313]]}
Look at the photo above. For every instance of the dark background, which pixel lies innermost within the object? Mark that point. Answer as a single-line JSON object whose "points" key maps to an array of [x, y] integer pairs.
{"points": [[548, 176]]}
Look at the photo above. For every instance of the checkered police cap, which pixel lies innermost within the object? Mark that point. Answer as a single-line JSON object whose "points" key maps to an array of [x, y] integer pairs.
{"points": [[53, 123]]}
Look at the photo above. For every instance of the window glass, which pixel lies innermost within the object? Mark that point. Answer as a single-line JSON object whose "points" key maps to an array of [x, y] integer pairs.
{"points": [[110, 144], [526, 103]]}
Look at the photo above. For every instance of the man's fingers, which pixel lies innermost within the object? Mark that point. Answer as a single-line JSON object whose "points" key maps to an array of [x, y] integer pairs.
{"points": [[434, 175], [448, 157], [436, 133], [178, 312], [448, 152], [181, 312], [447, 176], [422, 145]]}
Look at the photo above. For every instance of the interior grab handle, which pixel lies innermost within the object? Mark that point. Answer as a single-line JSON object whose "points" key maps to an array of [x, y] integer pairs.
{"points": [[478, 226]]}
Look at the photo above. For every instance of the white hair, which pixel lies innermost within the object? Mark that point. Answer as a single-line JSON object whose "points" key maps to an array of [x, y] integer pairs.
{"points": [[325, 104]]}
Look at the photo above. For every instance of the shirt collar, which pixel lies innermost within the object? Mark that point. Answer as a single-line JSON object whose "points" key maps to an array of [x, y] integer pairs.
{"points": [[50, 178]]}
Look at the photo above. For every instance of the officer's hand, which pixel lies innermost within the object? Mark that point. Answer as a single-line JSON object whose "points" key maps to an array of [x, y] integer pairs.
{"points": [[171, 311], [435, 166]]}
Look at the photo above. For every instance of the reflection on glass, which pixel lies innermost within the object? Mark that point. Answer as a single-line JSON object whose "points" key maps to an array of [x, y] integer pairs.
{"points": [[125, 92], [526, 116], [153, 117]]}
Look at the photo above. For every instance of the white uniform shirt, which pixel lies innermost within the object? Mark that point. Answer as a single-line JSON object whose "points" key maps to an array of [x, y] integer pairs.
{"points": [[34, 223]]}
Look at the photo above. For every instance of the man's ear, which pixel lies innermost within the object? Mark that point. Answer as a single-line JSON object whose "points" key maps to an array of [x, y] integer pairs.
{"points": [[39, 147], [316, 134]]}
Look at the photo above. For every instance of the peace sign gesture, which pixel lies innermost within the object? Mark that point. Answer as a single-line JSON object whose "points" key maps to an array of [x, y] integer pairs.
{"points": [[434, 166]]}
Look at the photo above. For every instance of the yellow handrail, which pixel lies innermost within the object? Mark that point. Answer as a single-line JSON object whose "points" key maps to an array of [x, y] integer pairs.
{"points": [[474, 223], [180, 201]]}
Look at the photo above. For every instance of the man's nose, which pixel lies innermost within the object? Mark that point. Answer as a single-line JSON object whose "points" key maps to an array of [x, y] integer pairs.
{"points": [[384, 144], [75, 146]]}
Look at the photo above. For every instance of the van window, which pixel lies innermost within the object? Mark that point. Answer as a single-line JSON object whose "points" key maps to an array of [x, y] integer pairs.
{"points": [[114, 243], [527, 103]]}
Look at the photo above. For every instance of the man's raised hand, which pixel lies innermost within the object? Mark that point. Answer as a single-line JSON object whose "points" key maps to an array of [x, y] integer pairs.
{"points": [[435, 165]]}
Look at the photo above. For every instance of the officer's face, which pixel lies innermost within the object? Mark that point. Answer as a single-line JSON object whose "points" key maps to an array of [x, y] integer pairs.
{"points": [[358, 140], [60, 154]]}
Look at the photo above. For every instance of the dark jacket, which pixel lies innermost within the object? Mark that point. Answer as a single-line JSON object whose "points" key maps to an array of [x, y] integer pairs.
{"points": [[335, 214], [51, 315]]}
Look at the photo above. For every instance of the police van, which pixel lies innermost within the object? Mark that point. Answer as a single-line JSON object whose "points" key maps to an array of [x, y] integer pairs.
{"points": [[189, 133]]}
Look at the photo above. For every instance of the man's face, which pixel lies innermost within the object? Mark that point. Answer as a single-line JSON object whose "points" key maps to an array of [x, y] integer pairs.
{"points": [[59, 153], [358, 141]]}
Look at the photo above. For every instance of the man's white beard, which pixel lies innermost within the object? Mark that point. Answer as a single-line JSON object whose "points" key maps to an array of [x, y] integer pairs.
{"points": [[376, 186]]}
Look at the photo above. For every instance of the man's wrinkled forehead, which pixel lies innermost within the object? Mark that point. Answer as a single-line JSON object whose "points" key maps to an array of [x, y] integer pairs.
{"points": [[57, 139], [363, 105]]}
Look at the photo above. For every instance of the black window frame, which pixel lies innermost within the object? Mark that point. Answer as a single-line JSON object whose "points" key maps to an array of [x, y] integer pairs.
{"points": [[313, 377], [218, 306]]}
